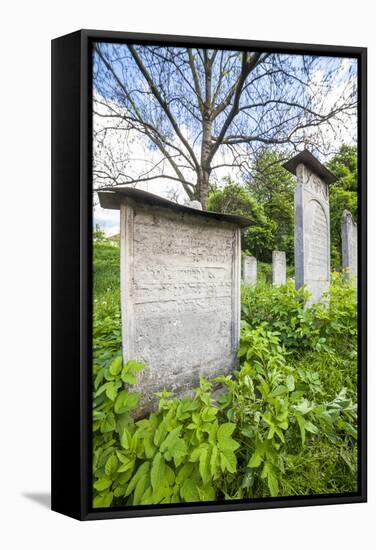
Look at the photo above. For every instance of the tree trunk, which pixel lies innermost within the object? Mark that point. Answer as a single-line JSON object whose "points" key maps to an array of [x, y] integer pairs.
{"points": [[204, 189], [203, 183]]}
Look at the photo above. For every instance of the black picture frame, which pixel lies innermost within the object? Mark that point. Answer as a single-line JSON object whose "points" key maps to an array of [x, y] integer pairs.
{"points": [[72, 270]]}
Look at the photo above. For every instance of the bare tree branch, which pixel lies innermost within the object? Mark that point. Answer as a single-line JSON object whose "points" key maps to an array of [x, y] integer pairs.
{"points": [[196, 112]]}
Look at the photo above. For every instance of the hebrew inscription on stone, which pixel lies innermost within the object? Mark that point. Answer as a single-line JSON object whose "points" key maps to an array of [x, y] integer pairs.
{"points": [[312, 233], [317, 265], [182, 296]]}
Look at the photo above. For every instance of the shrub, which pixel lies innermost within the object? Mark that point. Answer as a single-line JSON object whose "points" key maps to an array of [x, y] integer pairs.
{"points": [[284, 423], [181, 453]]}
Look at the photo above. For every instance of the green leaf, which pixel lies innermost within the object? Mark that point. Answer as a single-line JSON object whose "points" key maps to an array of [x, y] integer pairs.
{"points": [[279, 390], [225, 441], [195, 454], [147, 497], [301, 423], [103, 501], [184, 473], [206, 492], [126, 439], [243, 350], [160, 433], [133, 366], [214, 462], [228, 461], [111, 465], [102, 484], [303, 407], [290, 382], [255, 460], [189, 491], [273, 484], [124, 477], [204, 465], [141, 487], [157, 471], [179, 451], [127, 463], [128, 378], [225, 431], [162, 494], [311, 427], [142, 470], [111, 390], [126, 401], [119, 492], [108, 424], [149, 447], [116, 365], [228, 445], [169, 442]]}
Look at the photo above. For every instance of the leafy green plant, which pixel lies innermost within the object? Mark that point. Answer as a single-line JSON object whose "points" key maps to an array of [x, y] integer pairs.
{"points": [[181, 453], [283, 423], [280, 420]]}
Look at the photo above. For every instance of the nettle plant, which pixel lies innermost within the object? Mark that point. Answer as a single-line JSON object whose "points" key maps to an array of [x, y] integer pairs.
{"points": [[181, 453], [279, 422], [265, 435]]}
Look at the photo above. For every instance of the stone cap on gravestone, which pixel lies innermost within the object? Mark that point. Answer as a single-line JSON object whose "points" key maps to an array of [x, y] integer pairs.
{"points": [[180, 291], [111, 198], [306, 157], [348, 218]]}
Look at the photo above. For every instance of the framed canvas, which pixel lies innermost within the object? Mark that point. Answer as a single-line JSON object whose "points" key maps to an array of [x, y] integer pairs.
{"points": [[208, 274]]}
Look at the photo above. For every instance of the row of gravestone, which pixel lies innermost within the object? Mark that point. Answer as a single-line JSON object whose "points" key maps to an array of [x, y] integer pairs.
{"points": [[349, 234], [249, 269], [180, 277]]}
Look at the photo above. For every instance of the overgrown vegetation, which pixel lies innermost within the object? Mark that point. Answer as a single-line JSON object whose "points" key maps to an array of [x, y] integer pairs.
{"points": [[284, 423]]}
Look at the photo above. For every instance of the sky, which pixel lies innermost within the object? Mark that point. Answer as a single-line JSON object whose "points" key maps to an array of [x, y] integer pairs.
{"points": [[134, 154]]}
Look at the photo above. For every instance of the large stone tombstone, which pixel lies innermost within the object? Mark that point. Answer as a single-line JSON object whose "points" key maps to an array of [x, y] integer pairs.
{"points": [[349, 232], [180, 290], [278, 268], [249, 270], [312, 224]]}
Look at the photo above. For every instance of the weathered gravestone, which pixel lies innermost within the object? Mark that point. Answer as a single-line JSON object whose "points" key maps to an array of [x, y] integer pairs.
{"points": [[180, 290], [278, 268], [349, 232], [312, 224], [249, 270]]}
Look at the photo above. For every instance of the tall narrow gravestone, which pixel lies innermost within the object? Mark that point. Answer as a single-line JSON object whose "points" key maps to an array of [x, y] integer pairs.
{"points": [[180, 290], [278, 268], [349, 232], [249, 270], [312, 224]]}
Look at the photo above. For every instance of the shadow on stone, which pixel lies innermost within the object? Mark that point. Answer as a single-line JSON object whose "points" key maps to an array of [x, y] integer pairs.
{"points": [[43, 499]]}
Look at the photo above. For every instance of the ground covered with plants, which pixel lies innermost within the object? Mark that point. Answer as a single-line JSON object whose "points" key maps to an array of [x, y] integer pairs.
{"points": [[283, 424]]}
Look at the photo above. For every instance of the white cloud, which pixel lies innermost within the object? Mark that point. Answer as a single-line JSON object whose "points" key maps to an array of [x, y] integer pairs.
{"points": [[109, 220]]}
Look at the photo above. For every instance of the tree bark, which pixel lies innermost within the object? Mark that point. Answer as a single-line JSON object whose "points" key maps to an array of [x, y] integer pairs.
{"points": [[206, 145]]}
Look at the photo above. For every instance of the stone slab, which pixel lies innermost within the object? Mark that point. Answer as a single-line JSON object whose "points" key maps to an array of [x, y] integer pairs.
{"points": [[249, 270], [180, 296], [312, 233], [349, 231], [278, 268]]}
